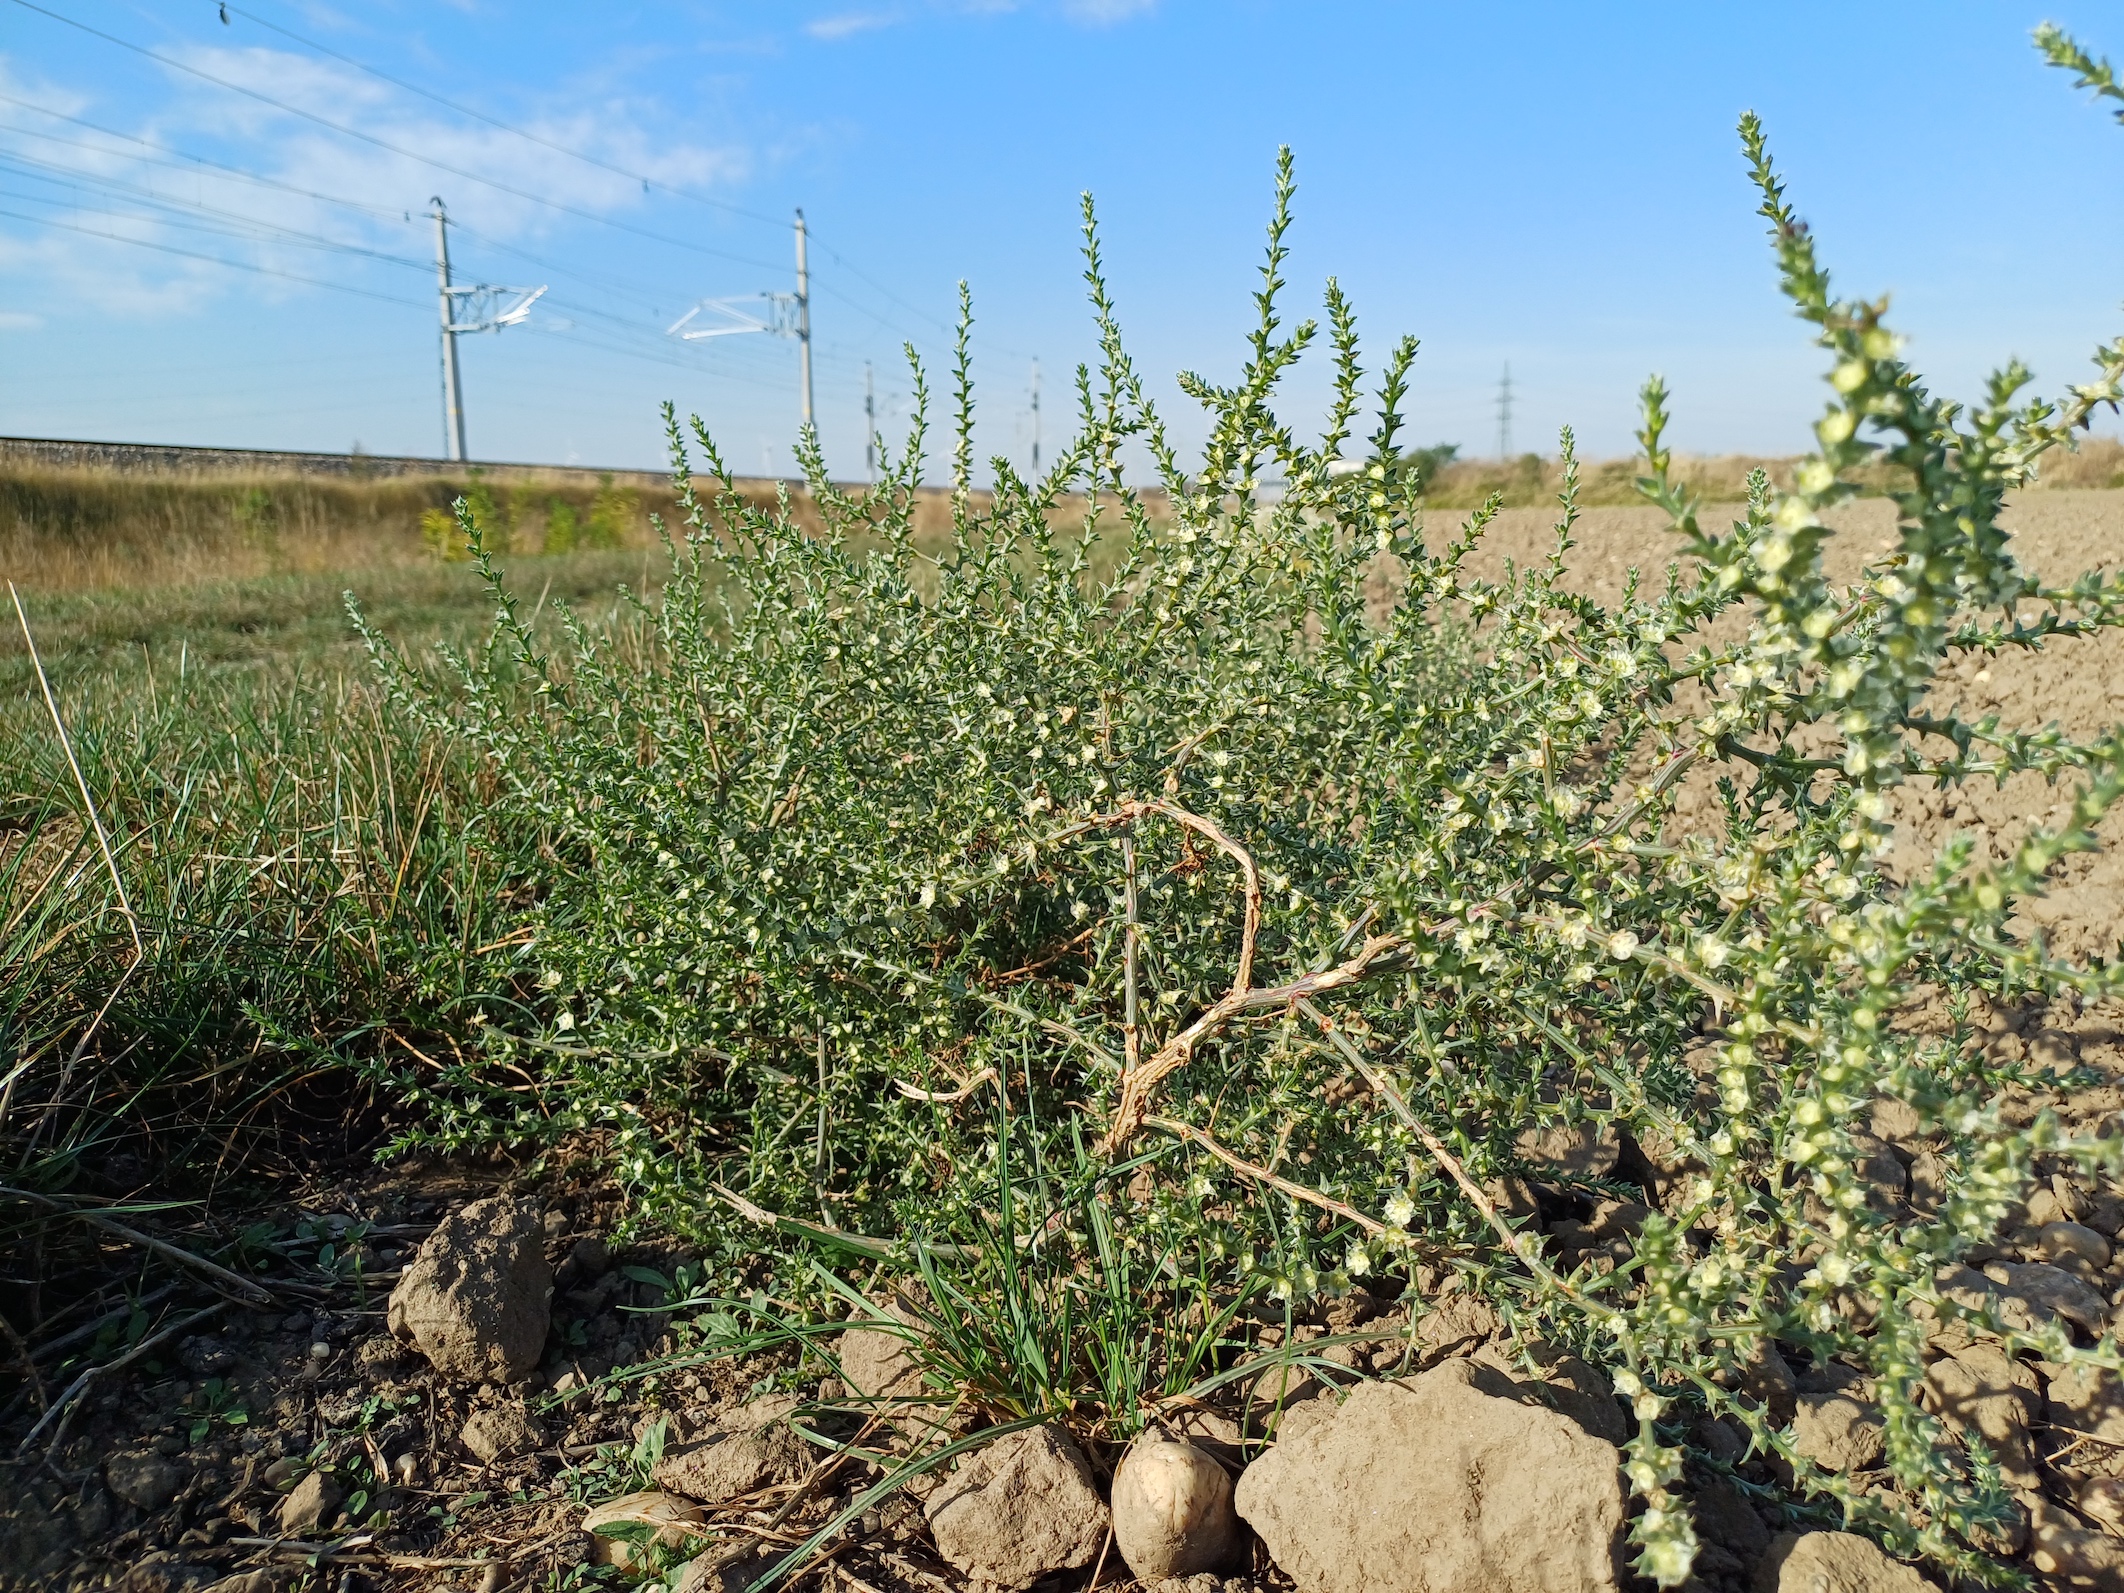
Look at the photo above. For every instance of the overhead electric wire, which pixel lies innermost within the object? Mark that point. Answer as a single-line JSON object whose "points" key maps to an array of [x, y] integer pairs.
{"points": [[210, 259], [493, 121], [202, 160], [948, 328], [311, 240], [395, 149]]}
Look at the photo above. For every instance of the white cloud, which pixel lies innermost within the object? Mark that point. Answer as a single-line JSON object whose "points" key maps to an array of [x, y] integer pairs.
{"points": [[394, 182], [847, 24], [19, 321]]}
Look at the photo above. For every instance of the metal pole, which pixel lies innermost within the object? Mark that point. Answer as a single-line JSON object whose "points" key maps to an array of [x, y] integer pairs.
{"points": [[453, 390], [1036, 420], [870, 427], [1504, 414], [803, 305]]}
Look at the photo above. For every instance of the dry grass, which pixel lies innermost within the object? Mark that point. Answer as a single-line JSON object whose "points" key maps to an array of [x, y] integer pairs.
{"points": [[1532, 480], [78, 531]]}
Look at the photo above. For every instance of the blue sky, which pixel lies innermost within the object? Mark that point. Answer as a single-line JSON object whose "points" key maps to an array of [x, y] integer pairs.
{"points": [[1557, 186]]}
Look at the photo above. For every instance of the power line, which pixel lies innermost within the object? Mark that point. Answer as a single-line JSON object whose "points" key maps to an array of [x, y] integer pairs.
{"points": [[386, 145], [258, 229], [838, 258], [201, 160], [210, 259], [493, 121]]}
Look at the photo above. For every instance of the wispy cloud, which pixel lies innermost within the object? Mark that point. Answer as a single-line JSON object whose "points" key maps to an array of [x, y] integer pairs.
{"points": [[376, 193], [19, 321], [847, 24]]}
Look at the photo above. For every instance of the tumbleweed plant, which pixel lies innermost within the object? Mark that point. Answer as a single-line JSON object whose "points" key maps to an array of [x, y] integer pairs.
{"points": [[1306, 879]]}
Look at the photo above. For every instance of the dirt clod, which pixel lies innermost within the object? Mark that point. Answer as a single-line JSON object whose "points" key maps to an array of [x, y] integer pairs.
{"points": [[476, 1299], [1019, 1509], [1429, 1485]]}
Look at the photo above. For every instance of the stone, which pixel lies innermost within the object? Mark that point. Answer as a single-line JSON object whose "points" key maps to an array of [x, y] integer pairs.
{"points": [[310, 1504], [2068, 1552], [504, 1430], [668, 1523], [1928, 1183], [1838, 1433], [2086, 1399], [2068, 1242], [1018, 1509], [1429, 1485], [1984, 1391], [475, 1300], [729, 1465], [878, 1363], [2025, 1295], [1833, 1562], [143, 1479], [1172, 1508]]}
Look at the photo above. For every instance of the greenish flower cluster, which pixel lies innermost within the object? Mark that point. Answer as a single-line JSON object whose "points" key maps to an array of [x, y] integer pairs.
{"points": [[1244, 865]]}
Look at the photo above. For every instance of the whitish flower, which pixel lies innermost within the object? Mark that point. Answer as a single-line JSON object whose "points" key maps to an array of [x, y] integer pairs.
{"points": [[1622, 945], [1399, 1209]]}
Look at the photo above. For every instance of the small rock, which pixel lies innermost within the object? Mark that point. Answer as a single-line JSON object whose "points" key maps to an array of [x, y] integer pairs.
{"points": [[244, 1582], [312, 1503], [1928, 1182], [572, 1387], [1019, 1509], [1833, 1562], [879, 1362], [476, 1299], [2065, 1550], [2027, 1296], [1429, 1485], [1981, 1389], [503, 1430], [2068, 1242], [1172, 1509], [2086, 1399], [1837, 1432], [731, 1464], [143, 1480], [284, 1472], [669, 1518]]}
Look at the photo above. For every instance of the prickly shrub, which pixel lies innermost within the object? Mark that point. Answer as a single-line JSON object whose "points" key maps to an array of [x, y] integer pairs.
{"points": [[1287, 891]]}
